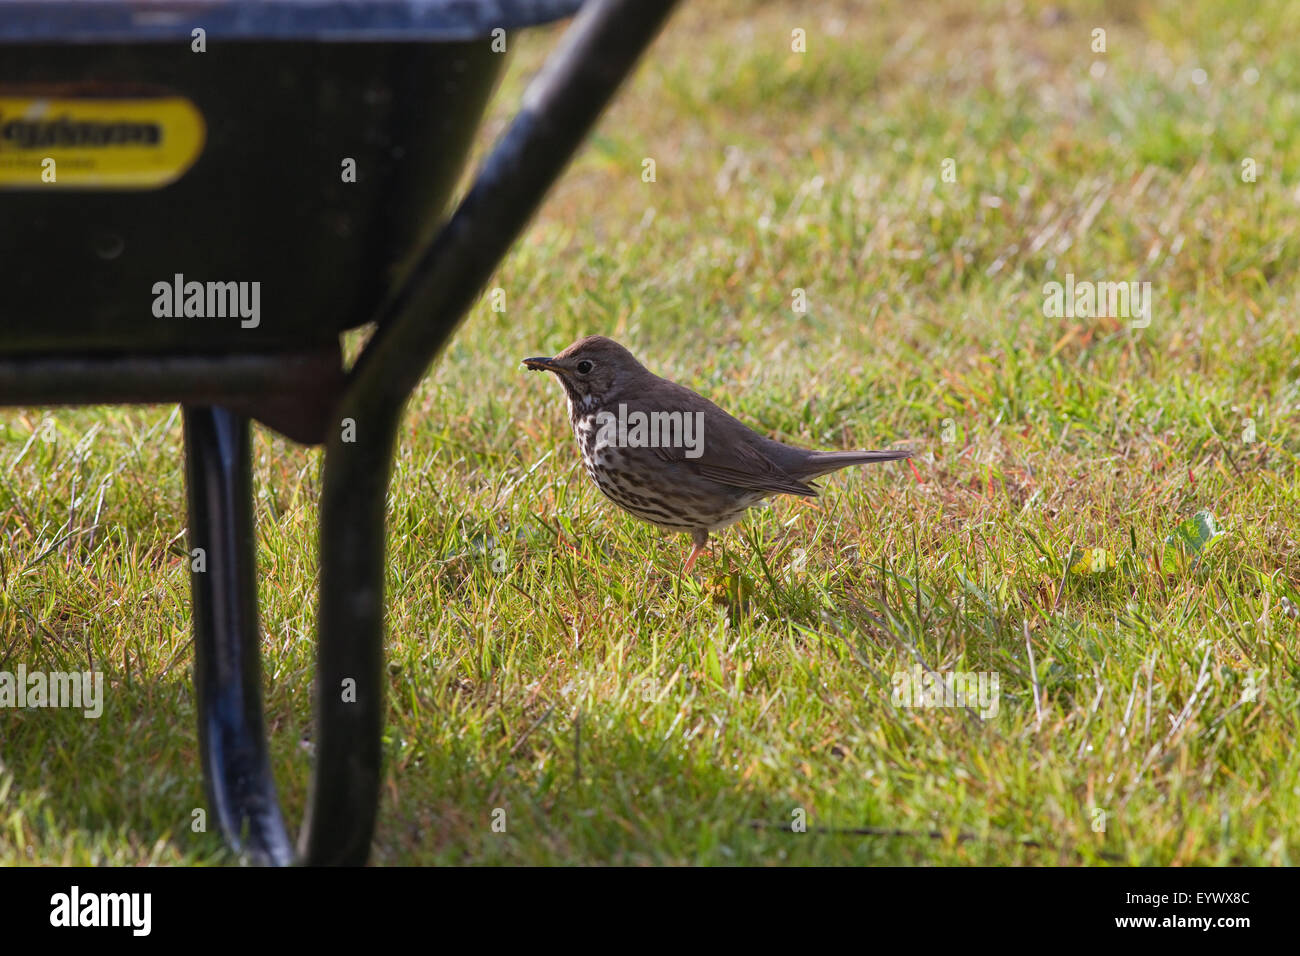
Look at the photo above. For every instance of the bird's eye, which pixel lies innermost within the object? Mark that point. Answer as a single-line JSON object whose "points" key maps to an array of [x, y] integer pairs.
{"points": [[584, 367]]}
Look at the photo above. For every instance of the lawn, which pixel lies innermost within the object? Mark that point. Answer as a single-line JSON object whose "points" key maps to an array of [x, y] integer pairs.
{"points": [[846, 247]]}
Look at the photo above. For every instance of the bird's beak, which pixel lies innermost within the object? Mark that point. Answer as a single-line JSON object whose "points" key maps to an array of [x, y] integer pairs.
{"points": [[541, 364]]}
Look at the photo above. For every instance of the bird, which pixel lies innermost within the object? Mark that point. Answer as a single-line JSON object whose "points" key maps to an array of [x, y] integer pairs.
{"points": [[671, 457]]}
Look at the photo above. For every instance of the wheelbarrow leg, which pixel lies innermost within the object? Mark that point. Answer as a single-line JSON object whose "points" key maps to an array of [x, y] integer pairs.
{"points": [[349, 673], [227, 662]]}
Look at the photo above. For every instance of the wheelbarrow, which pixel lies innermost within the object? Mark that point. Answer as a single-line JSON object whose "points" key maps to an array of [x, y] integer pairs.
{"points": [[197, 199]]}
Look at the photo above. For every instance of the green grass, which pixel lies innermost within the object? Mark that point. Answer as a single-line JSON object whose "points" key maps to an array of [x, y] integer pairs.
{"points": [[620, 713]]}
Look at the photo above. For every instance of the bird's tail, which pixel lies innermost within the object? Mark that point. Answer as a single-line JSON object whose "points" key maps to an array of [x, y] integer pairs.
{"points": [[824, 462]]}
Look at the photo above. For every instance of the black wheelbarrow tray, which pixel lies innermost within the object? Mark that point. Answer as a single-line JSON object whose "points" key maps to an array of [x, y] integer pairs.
{"points": [[196, 199]]}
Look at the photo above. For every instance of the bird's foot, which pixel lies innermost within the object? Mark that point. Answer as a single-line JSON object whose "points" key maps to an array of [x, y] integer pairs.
{"points": [[695, 553]]}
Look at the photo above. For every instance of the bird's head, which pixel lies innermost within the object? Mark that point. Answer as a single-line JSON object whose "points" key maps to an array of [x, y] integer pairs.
{"points": [[593, 370]]}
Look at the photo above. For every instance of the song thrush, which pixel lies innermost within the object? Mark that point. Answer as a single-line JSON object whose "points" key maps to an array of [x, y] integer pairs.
{"points": [[672, 457]]}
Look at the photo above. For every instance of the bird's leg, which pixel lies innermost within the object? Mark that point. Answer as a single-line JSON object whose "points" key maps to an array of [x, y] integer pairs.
{"points": [[690, 561], [699, 538]]}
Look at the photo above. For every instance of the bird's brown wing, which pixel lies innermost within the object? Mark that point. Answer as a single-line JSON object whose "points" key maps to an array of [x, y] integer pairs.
{"points": [[745, 467], [729, 455]]}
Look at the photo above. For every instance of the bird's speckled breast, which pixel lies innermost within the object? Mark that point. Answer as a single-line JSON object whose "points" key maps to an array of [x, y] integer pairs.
{"points": [[633, 478]]}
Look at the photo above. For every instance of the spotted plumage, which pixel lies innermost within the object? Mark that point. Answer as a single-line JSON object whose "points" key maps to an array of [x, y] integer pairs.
{"points": [[701, 469]]}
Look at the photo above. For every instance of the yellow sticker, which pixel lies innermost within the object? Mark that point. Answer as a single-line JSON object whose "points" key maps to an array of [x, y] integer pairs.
{"points": [[97, 143]]}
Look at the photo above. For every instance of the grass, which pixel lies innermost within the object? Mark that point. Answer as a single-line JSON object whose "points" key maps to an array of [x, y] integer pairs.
{"points": [[546, 658]]}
